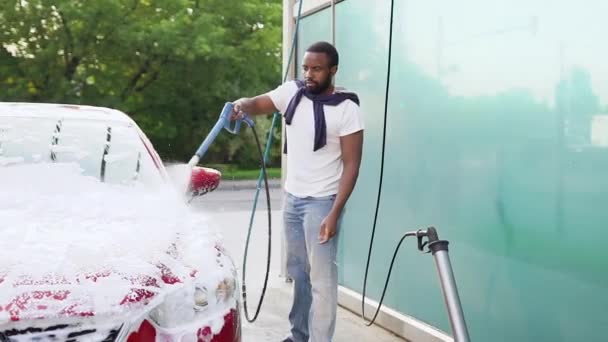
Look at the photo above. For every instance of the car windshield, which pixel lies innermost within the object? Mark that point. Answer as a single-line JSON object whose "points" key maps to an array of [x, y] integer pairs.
{"points": [[111, 151]]}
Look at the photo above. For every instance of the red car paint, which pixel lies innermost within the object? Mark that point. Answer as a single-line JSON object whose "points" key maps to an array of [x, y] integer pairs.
{"points": [[154, 156], [28, 303], [167, 276], [231, 331], [146, 332]]}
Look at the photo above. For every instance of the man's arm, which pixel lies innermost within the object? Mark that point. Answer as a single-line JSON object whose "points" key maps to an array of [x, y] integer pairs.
{"points": [[259, 105], [352, 149]]}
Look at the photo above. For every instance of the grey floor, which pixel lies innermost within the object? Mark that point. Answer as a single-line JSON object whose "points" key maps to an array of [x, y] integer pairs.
{"points": [[229, 211]]}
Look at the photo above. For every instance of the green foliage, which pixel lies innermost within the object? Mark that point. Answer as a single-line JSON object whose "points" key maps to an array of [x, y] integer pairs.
{"points": [[234, 172], [170, 64]]}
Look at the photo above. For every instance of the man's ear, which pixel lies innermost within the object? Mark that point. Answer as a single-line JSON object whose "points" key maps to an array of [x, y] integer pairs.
{"points": [[333, 70]]}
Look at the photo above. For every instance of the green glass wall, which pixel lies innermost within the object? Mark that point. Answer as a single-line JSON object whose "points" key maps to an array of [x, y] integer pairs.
{"points": [[312, 28], [363, 69], [497, 134]]}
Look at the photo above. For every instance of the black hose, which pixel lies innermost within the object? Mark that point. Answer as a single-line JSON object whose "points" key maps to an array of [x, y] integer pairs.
{"points": [[371, 243], [263, 161], [244, 286]]}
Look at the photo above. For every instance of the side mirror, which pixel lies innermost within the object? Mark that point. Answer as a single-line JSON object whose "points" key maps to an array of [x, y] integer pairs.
{"points": [[203, 180]]}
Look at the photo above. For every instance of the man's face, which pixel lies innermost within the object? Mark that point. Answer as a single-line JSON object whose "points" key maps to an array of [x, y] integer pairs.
{"points": [[317, 73]]}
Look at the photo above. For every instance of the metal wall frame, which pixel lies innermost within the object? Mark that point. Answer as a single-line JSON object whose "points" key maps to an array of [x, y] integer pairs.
{"points": [[312, 6]]}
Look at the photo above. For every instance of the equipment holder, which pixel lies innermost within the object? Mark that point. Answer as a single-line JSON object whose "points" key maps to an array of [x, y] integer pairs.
{"points": [[439, 250]]}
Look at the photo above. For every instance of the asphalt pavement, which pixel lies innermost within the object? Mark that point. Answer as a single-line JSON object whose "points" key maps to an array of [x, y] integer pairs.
{"points": [[229, 210]]}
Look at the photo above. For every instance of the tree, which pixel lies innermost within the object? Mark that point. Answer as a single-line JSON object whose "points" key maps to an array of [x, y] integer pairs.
{"points": [[170, 64]]}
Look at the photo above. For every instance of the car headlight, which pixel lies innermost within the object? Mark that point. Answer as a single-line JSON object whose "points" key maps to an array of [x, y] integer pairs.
{"points": [[173, 311], [225, 289], [200, 298]]}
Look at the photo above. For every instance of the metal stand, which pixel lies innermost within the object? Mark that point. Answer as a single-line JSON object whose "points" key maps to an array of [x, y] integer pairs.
{"points": [[439, 249]]}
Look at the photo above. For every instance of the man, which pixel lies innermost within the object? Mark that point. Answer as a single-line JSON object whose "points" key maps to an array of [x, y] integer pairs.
{"points": [[324, 138]]}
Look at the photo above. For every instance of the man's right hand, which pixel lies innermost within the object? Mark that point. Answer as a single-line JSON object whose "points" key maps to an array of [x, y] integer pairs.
{"points": [[258, 105], [237, 110]]}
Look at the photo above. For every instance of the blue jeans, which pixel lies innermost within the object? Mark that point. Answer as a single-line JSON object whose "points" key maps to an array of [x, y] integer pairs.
{"points": [[313, 268]]}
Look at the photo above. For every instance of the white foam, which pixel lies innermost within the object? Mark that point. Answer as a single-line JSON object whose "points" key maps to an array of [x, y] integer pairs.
{"points": [[59, 224], [4, 161], [180, 175], [117, 157]]}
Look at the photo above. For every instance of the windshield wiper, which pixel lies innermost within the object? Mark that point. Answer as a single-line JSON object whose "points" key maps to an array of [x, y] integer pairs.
{"points": [[137, 167], [55, 139], [106, 150]]}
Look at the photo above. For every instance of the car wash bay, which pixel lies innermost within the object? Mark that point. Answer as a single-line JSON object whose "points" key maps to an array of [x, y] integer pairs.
{"points": [[495, 133]]}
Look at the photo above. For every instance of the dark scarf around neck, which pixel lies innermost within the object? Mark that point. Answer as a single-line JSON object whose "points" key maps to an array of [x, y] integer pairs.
{"points": [[319, 101]]}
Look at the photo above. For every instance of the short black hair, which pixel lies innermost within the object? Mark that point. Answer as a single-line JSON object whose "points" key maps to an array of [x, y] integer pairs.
{"points": [[326, 48]]}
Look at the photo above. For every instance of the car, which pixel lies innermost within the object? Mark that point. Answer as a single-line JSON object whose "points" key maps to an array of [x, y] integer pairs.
{"points": [[98, 242]]}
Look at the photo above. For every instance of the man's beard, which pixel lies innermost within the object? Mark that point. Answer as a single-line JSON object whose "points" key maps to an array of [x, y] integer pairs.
{"points": [[320, 88]]}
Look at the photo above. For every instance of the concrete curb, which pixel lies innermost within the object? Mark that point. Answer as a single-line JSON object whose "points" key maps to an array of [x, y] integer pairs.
{"points": [[228, 185]]}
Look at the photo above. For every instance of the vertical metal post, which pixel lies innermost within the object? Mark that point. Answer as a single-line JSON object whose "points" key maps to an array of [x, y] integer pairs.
{"points": [[333, 22], [439, 248], [289, 27], [288, 31]]}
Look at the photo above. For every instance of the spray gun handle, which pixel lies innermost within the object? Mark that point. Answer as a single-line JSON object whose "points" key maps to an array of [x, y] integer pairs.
{"points": [[226, 113], [248, 121]]}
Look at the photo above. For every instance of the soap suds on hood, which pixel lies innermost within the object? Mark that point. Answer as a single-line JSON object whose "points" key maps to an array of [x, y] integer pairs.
{"points": [[63, 230]]}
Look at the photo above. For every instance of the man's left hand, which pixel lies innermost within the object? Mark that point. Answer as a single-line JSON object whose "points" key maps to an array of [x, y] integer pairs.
{"points": [[328, 228]]}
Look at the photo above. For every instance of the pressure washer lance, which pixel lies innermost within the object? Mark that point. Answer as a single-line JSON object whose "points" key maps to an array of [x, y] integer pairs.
{"points": [[224, 123], [439, 249]]}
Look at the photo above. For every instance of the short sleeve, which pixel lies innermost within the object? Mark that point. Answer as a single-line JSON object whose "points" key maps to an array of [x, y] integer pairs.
{"points": [[352, 120], [282, 94]]}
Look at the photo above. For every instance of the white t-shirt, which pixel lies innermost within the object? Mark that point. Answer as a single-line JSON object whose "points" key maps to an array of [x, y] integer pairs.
{"points": [[315, 173]]}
